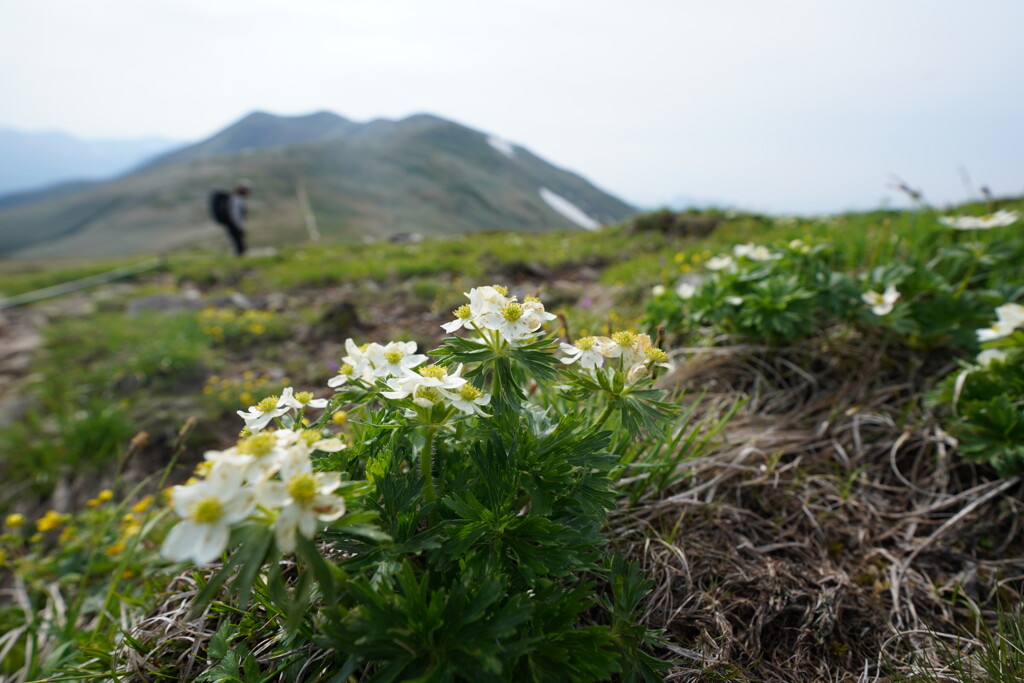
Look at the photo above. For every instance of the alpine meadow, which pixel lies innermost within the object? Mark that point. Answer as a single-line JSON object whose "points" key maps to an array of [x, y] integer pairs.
{"points": [[688, 445]]}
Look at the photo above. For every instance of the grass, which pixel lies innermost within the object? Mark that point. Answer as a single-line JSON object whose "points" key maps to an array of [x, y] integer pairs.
{"points": [[786, 521]]}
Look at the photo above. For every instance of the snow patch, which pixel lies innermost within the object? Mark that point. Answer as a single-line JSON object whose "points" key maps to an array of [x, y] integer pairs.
{"points": [[568, 209], [503, 146]]}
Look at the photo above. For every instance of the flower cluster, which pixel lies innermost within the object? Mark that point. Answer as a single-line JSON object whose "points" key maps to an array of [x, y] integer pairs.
{"points": [[1010, 317], [493, 314], [634, 354], [998, 219], [266, 476], [260, 415], [433, 385], [371, 362]]}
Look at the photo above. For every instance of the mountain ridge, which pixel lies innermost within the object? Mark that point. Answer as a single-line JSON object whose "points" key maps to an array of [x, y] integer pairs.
{"points": [[420, 174]]}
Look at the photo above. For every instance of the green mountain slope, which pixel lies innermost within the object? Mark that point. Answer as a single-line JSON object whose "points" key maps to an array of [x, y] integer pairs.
{"points": [[422, 174]]}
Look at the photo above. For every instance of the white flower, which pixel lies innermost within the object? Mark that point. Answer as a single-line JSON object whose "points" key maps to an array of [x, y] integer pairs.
{"points": [[685, 290], [586, 350], [304, 498], [345, 373], [724, 262], [514, 321], [303, 399], [468, 399], [208, 509], [359, 358], [799, 246], [395, 358], [754, 252], [734, 300], [463, 318], [881, 304], [998, 219], [658, 290], [986, 357], [487, 299], [425, 385], [1011, 316], [260, 415]]}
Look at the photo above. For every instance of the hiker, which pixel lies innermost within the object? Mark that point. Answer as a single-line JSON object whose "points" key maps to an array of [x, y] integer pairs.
{"points": [[228, 209]]}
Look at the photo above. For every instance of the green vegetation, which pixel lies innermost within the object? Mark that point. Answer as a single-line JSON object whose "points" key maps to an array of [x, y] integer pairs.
{"points": [[835, 461]]}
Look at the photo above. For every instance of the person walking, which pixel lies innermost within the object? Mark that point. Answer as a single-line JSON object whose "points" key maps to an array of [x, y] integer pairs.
{"points": [[229, 210]]}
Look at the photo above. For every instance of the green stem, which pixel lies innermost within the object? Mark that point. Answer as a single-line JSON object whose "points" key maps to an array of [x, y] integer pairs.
{"points": [[427, 469], [967, 279], [604, 415]]}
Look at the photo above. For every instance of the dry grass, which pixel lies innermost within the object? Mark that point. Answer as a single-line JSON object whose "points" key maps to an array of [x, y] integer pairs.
{"points": [[836, 537]]}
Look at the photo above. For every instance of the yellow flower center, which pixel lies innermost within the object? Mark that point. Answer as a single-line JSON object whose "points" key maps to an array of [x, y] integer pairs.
{"points": [[585, 343], [656, 355], [624, 338], [310, 436], [267, 405], [469, 393], [304, 397], [339, 417], [434, 371], [207, 511], [429, 393], [463, 312], [512, 312], [530, 299], [500, 289], [346, 369], [302, 489], [393, 356], [257, 445]]}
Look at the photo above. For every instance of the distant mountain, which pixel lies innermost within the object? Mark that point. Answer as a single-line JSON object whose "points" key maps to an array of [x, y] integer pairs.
{"points": [[32, 160], [422, 174]]}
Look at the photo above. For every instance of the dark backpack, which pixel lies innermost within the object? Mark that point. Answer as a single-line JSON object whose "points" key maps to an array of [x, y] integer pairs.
{"points": [[220, 201]]}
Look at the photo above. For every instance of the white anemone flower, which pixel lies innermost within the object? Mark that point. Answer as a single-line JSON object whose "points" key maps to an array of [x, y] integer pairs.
{"points": [[999, 219], [345, 373], [515, 321], [685, 290], [1010, 317], [395, 358], [487, 299], [260, 415], [586, 351], [658, 290], [424, 385], [468, 399], [463, 319], [881, 304], [208, 510], [743, 250], [301, 400], [304, 498], [986, 357], [359, 357], [734, 300], [723, 262]]}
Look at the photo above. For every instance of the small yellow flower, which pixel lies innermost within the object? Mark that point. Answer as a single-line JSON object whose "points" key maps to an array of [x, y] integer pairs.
{"points": [[245, 397], [248, 374], [685, 268], [143, 504], [679, 257], [105, 495], [93, 502], [14, 520], [51, 520], [115, 548], [67, 534], [339, 417], [127, 574], [128, 518]]}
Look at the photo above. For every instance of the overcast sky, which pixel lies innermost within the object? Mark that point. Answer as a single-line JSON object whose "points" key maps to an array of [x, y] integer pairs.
{"points": [[779, 106]]}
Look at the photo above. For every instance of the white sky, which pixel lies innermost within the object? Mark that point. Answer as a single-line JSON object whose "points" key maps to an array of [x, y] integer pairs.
{"points": [[780, 105]]}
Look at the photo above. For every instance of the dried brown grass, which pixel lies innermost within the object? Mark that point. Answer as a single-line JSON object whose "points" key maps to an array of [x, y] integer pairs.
{"points": [[836, 536]]}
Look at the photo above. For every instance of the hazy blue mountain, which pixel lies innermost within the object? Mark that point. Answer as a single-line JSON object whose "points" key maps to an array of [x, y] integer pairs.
{"points": [[31, 161], [421, 174]]}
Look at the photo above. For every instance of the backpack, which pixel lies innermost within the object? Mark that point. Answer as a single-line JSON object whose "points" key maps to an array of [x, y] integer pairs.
{"points": [[219, 206]]}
